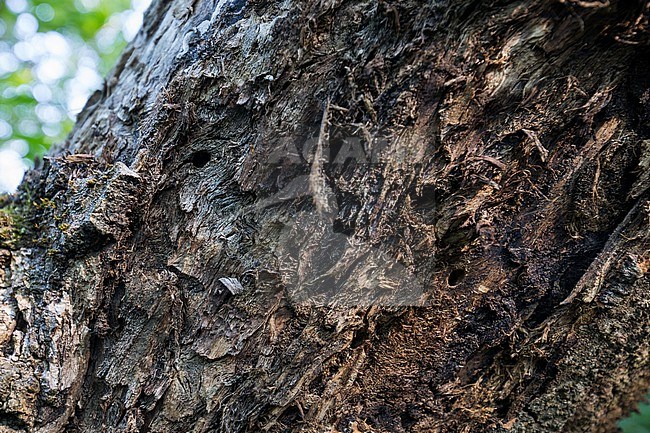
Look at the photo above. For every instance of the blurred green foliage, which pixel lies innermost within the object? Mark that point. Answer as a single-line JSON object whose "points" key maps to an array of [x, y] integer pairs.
{"points": [[637, 422], [53, 54]]}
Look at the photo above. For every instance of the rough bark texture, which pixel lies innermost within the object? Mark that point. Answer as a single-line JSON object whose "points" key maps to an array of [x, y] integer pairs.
{"points": [[197, 257]]}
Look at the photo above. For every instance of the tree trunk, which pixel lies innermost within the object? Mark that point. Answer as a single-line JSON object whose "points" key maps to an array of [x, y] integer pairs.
{"points": [[342, 216]]}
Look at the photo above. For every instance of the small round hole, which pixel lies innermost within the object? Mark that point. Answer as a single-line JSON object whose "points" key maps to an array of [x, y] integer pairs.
{"points": [[456, 277], [200, 158]]}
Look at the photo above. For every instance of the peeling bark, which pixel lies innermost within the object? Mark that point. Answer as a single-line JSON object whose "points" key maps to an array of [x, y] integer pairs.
{"points": [[337, 216]]}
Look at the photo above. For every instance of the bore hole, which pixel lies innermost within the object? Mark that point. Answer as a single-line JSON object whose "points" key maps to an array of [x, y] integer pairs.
{"points": [[456, 277], [359, 338], [200, 158]]}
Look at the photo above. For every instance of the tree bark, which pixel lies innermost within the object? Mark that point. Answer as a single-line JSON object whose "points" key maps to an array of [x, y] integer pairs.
{"points": [[342, 216]]}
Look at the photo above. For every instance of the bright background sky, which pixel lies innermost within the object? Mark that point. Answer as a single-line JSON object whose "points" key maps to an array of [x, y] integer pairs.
{"points": [[53, 55]]}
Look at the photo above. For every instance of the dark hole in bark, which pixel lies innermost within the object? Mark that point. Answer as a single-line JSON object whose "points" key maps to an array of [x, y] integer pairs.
{"points": [[425, 200], [21, 323], [359, 338], [290, 414], [409, 418], [346, 228], [200, 158], [456, 277], [12, 422]]}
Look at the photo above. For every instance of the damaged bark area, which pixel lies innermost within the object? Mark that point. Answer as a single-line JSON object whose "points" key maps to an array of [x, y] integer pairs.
{"points": [[342, 216]]}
